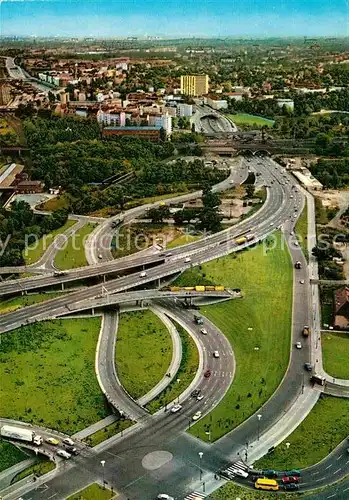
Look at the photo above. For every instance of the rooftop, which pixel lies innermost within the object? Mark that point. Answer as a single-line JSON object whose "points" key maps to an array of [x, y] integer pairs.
{"points": [[132, 128]]}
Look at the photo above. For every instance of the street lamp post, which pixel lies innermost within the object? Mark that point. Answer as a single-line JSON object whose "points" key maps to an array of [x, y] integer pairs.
{"points": [[200, 456], [287, 447], [259, 419], [103, 464]]}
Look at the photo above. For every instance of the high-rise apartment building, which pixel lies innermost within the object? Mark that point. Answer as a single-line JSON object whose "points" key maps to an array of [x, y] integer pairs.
{"points": [[194, 85]]}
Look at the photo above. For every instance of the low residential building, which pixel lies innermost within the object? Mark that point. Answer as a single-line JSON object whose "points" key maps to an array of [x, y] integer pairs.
{"points": [[215, 103], [289, 103], [185, 109], [341, 309]]}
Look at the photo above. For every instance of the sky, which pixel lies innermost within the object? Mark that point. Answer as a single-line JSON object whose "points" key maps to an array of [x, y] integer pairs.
{"points": [[117, 18]]}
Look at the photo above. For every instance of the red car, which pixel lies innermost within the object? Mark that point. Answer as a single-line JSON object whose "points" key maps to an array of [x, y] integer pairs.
{"points": [[207, 373], [290, 479]]}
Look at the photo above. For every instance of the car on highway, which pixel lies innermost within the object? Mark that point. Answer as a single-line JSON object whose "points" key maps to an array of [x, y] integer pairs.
{"points": [[292, 472], [207, 373], [63, 454], [187, 259], [291, 487], [203, 331], [52, 441], [290, 479], [176, 408], [200, 397], [195, 393], [216, 354], [196, 416], [308, 367], [100, 256], [142, 274], [164, 496], [298, 345], [269, 473], [71, 449], [68, 441]]}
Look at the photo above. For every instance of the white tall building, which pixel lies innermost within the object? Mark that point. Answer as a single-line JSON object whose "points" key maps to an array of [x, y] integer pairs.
{"points": [[108, 118], [164, 121]]}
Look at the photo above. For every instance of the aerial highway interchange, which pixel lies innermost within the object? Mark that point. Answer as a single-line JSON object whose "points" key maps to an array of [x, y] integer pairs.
{"points": [[125, 467]]}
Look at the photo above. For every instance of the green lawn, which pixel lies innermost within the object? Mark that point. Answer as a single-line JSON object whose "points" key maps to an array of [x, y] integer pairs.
{"points": [[262, 319], [185, 375], [34, 252], [301, 231], [93, 492], [182, 240], [335, 351], [108, 431], [73, 255], [246, 119], [10, 455], [43, 467], [58, 388], [319, 433], [15, 303], [232, 491], [60, 202], [143, 351]]}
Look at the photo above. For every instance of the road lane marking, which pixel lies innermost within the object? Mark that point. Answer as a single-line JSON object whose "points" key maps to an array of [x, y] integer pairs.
{"points": [[315, 473], [328, 466], [340, 456], [331, 496], [346, 489], [337, 470]]}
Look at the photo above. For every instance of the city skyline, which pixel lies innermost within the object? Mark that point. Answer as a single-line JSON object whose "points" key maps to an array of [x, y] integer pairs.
{"points": [[113, 18]]}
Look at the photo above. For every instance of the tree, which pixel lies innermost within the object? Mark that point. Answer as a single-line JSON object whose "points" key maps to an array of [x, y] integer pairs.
{"points": [[158, 215], [250, 189]]}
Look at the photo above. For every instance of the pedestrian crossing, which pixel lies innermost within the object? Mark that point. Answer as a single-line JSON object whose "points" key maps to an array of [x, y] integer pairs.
{"points": [[195, 496], [238, 468]]}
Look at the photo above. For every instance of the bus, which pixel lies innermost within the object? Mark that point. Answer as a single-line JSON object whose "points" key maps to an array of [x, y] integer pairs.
{"points": [[266, 484]]}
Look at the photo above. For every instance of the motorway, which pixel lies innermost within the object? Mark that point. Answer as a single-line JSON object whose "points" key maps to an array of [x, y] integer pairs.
{"points": [[126, 461], [278, 208]]}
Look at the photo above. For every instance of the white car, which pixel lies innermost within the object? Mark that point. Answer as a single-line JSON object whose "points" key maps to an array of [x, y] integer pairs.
{"points": [[296, 243], [164, 496], [301, 282], [239, 472], [143, 274], [196, 416], [216, 354], [299, 345], [68, 441], [203, 331], [187, 259], [100, 256], [64, 454], [176, 408], [199, 397]]}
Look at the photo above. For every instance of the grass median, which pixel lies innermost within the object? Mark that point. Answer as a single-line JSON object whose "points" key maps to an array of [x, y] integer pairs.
{"points": [[34, 252], [335, 352], [73, 254], [185, 374], [143, 351], [301, 231], [93, 492], [58, 388], [15, 303], [319, 433], [108, 431], [39, 469], [232, 491], [258, 327]]}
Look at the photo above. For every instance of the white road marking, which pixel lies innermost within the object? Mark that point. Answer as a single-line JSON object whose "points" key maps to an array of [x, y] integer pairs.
{"points": [[331, 496], [315, 473], [52, 496], [340, 456], [328, 466], [337, 470], [346, 489]]}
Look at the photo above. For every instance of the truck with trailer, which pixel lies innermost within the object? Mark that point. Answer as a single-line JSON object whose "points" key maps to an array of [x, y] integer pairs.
{"points": [[20, 434], [318, 379]]}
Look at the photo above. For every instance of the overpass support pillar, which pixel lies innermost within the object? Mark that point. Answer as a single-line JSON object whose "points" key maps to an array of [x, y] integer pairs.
{"points": [[103, 278], [93, 311], [159, 283], [62, 286]]}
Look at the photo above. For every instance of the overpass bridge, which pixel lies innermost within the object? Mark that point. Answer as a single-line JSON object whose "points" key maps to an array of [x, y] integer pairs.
{"points": [[234, 147]]}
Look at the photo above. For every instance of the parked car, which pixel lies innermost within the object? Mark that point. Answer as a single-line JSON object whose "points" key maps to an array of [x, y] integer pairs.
{"points": [[292, 472], [207, 373], [269, 473]]}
